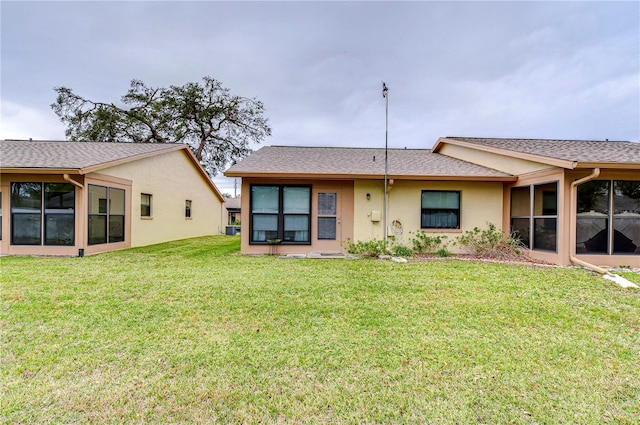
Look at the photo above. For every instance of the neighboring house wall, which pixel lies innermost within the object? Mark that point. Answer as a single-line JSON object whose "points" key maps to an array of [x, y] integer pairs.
{"points": [[492, 160], [171, 180]]}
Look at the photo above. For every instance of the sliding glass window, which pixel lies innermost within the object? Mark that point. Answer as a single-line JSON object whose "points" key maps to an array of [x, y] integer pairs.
{"points": [[106, 215], [608, 217], [280, 213], [28, 221]]}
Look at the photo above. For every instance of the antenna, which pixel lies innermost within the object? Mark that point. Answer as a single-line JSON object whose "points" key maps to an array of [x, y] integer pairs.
{"points": [[385, 94]]}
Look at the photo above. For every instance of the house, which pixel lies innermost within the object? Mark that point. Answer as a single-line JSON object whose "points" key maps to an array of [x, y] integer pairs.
{"points": [[74, 198], [567, 200], [233, 210]]}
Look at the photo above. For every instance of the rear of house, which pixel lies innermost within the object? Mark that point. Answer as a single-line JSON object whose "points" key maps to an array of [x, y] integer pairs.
{"points": [[566, 200], [67, 198]]}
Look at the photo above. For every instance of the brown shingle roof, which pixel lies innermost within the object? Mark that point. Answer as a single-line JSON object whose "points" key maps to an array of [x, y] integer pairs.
{"points": [[357, 162], [588, 151], [72, 155]]}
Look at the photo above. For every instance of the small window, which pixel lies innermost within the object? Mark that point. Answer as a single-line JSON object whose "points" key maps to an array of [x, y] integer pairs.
{"points": [[187, 209], [440, 209], [145, 205]]}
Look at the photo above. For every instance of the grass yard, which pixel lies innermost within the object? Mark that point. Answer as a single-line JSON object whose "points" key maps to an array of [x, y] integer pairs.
{"points": [[191, 332]]}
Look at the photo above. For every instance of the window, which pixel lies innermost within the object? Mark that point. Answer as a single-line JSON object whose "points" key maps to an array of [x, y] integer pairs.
{"points": [[106, 215], [608, 217], [280, 213], [145, 205], [440, 209], [187, 209], [28, 220], [534, 215]]}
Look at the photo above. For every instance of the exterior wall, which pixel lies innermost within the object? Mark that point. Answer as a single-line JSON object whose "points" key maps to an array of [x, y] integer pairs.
{"points": [[498, 162], [480, 203], [344, 225], [364, 228], [171, 180]]}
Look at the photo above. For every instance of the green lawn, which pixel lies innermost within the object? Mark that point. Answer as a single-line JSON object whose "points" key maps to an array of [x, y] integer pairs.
{"points": [[191, 332]]}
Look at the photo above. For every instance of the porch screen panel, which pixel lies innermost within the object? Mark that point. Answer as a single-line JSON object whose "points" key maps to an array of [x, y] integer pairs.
{"points": [[626, 217], [26, 213], [116, 215], [59, 214], [545, 216], [592, 221], [521, 214], [97, 225]]}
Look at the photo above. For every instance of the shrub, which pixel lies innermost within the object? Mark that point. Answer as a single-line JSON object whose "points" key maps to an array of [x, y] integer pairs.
{"points": [[372, 248], [491, 242], [443, 252], [425, 244], [402, 251]]}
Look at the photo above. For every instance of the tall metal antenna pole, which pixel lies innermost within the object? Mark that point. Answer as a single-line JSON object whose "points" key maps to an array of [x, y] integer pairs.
{"points": [[385, 94]]}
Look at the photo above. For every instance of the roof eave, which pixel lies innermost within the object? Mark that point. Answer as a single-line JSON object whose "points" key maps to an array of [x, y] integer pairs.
{"points": [[557, 162], [368, 176], [616, 165], [10, 170]]}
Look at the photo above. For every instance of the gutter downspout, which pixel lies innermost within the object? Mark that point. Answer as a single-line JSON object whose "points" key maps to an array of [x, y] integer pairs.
{"points": [[70, 180], [573, 235]]}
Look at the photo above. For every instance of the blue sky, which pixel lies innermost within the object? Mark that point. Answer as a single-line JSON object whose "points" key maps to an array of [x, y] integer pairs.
{"points": [[487, 69]]}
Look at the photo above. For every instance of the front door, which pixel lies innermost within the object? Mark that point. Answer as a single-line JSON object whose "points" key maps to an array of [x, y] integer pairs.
{"points": [[328, 234]]}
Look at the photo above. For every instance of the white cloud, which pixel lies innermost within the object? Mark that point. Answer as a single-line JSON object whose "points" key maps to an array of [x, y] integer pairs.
{"points": [[24, 122]]}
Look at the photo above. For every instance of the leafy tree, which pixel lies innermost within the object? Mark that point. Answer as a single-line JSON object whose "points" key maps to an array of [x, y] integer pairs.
{"points": [[217, 126]]}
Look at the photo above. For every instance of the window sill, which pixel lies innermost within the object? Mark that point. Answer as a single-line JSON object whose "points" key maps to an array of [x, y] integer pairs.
{"points": [[188, 218], [442, 230], [146, 218]]}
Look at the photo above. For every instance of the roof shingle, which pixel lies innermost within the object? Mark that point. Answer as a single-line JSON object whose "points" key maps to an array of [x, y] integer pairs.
{"points": [[297, 160], [71, 155], [569, 150]]}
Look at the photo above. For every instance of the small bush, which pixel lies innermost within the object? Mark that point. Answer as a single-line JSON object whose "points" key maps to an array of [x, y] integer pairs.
{"points": [[426, 244], [443, 252], [402, 251], [491, 242], [372, 248]]}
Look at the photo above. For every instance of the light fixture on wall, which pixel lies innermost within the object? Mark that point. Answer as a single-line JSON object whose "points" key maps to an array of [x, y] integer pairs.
{"points": [[368, 196]]}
